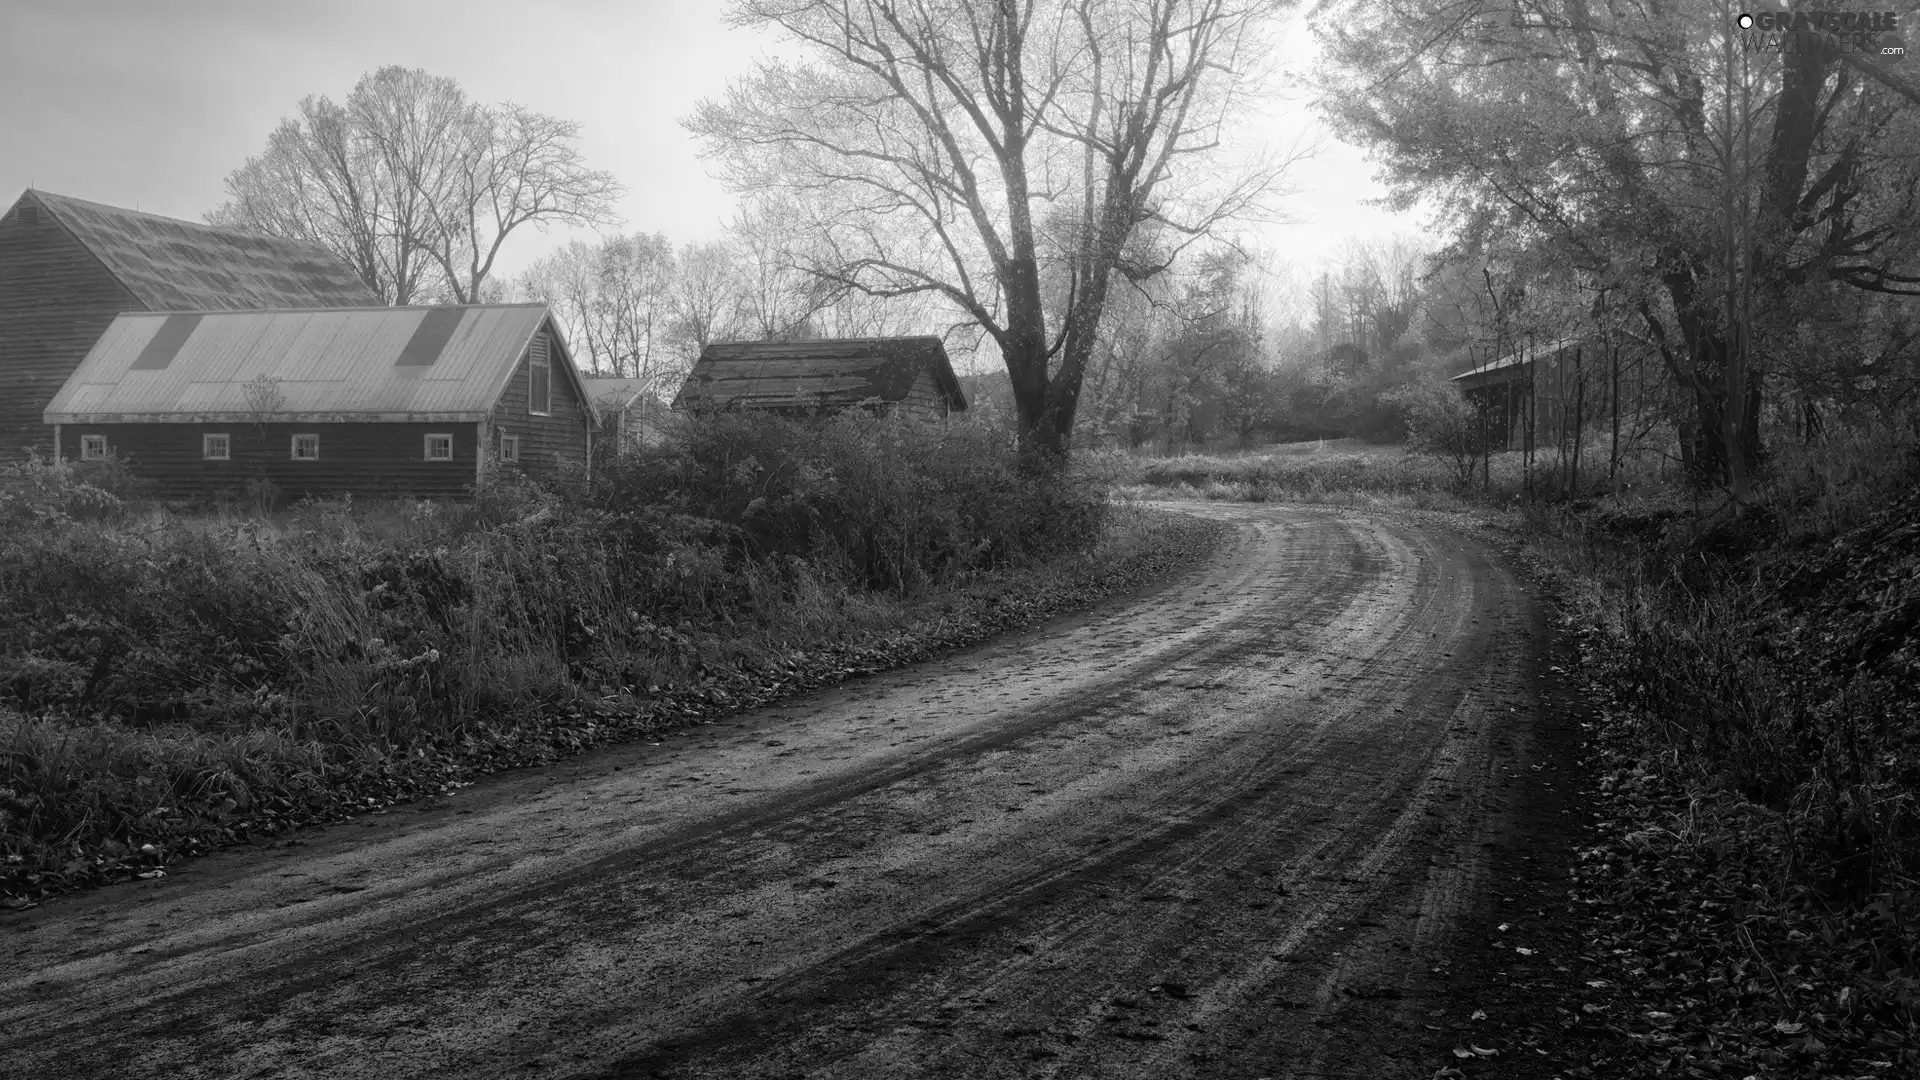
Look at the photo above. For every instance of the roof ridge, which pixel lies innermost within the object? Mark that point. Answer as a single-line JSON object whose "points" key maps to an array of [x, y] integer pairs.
{"points": [[224, 230], [327, 310], [165, 262]]}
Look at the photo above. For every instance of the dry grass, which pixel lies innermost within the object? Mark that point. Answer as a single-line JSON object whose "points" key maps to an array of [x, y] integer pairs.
{"points": [[164, 677]]}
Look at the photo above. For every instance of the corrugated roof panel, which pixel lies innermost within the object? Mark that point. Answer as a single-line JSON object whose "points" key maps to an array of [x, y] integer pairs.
{"points": [[210, 397], [430, 337], [314, 347], [326, 361], [225, 349], [165, 342], [90, 397]]}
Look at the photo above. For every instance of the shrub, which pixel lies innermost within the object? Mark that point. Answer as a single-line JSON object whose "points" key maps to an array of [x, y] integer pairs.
{"points": [[151, 676], [1443, 425], [891, 504]]}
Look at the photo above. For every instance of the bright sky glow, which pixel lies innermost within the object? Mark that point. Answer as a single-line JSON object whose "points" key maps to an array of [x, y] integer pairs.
{"points": [[150, 105]]}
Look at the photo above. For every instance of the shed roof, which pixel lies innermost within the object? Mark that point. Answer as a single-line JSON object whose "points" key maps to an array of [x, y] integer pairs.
{"points": [[170, 264], [331, 364], [829, 373], [1508, 368], [620, 393]]}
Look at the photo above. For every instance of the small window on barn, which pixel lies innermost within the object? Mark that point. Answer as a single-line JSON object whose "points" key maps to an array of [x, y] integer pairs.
{"points": [[92, 446], [509, 446], [439, 447], [306, 448], [539, 377], [216, 447], [27, 215]]}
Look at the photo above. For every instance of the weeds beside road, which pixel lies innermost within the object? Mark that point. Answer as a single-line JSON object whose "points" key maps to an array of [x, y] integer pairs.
{"points": [[167, 688]]}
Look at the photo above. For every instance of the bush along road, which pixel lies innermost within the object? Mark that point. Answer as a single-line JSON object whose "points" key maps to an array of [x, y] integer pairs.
{"points": [[1302, 810]]}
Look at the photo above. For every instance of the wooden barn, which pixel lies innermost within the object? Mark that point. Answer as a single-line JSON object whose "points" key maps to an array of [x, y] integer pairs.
{"points": [[806, 378], [371, 401], [1549, 388], [68, 267]]}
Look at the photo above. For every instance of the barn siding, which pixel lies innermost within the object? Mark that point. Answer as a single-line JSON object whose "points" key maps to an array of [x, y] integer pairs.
{"points": [[924, 397], [546, 442], [385, 459], [56, 300]]}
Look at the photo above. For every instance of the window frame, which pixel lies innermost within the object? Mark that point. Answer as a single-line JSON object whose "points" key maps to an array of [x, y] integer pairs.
{"points": [[540, 358], [293, 446], [509, 446], [206, 446], [427, 453], [93, 447]]}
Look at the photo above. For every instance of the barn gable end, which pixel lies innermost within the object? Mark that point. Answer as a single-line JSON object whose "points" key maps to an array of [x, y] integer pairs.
{"points": [[68, 266]]}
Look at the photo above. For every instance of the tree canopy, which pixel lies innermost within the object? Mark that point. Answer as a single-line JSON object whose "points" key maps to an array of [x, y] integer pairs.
{"points": [[1640, 152], [414, 185], [1012, 157]]}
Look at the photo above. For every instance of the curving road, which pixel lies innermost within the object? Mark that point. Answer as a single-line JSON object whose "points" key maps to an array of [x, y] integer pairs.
{"points": [[1223, 828]]}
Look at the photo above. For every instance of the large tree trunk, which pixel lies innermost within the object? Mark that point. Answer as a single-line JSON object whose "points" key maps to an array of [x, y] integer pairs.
{"points": [[1046, 406]]}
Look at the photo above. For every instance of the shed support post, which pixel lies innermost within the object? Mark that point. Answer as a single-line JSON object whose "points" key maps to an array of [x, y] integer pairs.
{"points": [[56, 444]]}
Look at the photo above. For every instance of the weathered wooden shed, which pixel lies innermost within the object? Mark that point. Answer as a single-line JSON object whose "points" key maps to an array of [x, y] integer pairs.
{"points": [[908, 374], [371, 401], [68, 267]]}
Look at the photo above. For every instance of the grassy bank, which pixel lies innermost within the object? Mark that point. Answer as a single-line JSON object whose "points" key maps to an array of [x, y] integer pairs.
{"points": [[169, 686], [1753, 891], [1352, 472], [1751, 894]]}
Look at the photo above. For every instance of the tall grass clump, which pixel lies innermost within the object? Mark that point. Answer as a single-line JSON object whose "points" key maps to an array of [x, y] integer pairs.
{"points": [[1773, 655], [1342, 471], [171, 677]]}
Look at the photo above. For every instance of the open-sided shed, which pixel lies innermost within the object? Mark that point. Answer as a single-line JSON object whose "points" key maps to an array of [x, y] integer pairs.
{"points": [[376, 401], [630, 414], [1548, 388], [825, 375]]}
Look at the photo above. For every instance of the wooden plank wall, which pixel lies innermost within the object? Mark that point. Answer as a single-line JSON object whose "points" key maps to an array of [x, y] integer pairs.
{"points": [[55, 302], [382, 460], [924, 395], [546, 442]]}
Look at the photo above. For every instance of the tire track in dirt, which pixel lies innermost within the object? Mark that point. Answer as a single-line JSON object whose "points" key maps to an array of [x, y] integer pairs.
{"points": [[1203, 830]]}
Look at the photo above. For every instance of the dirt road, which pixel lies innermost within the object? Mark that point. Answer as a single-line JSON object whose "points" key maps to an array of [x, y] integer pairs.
{"points": [[1226, 828]]}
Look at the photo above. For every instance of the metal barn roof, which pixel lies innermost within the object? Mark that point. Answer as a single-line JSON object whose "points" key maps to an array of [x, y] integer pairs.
{"points": [[170, 264], [331, 364], [825, 373], [619, 393], [1507, 368]]}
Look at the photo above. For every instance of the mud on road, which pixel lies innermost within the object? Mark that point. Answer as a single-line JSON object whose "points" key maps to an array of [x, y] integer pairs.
{"points": [[1230, 826]]}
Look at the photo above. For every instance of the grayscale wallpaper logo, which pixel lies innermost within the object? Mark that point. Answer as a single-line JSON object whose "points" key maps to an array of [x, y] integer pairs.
{"points": [[1873, 34]]}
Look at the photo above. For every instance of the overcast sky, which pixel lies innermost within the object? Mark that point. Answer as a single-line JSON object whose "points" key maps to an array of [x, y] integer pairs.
{"points": [[151, 103]]}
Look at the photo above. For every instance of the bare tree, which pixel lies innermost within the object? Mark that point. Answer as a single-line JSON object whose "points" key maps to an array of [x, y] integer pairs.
{"points": [[707, 297], [414, 185], [615, 300], [937, 143], [520, 167], [778, 297], [568, 281]]}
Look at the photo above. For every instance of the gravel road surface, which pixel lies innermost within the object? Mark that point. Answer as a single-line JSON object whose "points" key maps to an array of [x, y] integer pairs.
{"points": [[1227, 827]]}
